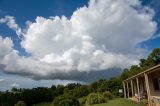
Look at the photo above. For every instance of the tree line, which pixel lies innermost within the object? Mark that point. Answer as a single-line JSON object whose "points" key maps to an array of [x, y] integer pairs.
{"points": [[56, 93]]}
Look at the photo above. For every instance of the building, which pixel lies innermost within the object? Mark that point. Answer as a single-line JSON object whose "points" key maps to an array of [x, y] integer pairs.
{"points": [[145, 85]]}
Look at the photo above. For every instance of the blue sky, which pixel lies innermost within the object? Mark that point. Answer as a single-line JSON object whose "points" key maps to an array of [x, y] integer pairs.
{"points": [[86, 39], [155, 4]]}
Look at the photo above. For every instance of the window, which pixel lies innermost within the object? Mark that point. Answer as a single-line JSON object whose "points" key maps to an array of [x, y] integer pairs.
{"points": [[156, 83]]}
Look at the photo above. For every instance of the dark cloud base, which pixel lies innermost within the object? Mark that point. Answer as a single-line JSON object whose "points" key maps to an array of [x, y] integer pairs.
{"points": [[86, 77]]}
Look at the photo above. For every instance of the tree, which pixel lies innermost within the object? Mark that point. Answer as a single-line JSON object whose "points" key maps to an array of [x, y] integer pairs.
{"points": [[72, 85], [60, 89], [81, 91], [125, 74], [155, 56], [102, 85], [152, 60], [114, 84], [93, 87], [134, 70], [65, 100], [146, 63]]}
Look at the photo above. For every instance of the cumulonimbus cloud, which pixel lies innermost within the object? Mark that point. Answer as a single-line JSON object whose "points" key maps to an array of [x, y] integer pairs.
{"points": [[104, 35]]}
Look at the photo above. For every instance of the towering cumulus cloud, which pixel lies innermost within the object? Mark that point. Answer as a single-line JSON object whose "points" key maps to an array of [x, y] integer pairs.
{"points": [[101, 36]]}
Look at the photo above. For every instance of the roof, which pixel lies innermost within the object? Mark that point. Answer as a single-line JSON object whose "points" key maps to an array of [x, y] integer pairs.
{"points": [[152, 69]]}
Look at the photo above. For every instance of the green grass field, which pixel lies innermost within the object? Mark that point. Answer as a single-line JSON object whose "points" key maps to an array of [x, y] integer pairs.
{"points": [[43, 104], [114, 102], [119, 102]]}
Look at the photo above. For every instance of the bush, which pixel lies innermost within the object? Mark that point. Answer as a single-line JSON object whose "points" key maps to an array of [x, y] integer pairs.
{"points": [[95, 98], [65, 100], [107, 95], [82, 101], [20, 103], [144, 101]]}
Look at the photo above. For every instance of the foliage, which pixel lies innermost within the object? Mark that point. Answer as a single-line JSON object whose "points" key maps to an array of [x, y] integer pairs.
{"points": [[43, 94], [114, 84], [152, 60], [81, 91], [107, 95], [82, 101], [20, 103], [155, 56], [144, 101], [65, 100], [93, 87], [95, 98], [102, 85]]}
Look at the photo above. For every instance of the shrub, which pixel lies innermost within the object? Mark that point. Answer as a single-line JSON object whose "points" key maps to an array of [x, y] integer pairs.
{"points": [[144, 101], [20, 103], [95, 98], [65, 100], [82, 101], [107, 95]]}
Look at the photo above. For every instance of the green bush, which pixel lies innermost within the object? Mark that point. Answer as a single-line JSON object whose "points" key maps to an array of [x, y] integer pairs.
{"points": [[107, 95], [20, 103], [69, 102], [95, 98], [144, 101], [65, 100], [82, 101]]}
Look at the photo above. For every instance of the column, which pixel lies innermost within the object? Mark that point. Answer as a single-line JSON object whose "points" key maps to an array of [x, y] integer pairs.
{"points": [[138, 89], [124, 89], [132, 87], [147, 88], [127, 90]]}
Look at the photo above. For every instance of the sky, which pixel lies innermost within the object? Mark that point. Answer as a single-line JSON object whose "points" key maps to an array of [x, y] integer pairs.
{"points": [[51, 42]]}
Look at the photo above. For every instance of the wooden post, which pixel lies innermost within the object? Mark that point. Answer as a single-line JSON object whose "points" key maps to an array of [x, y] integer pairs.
{"points": [[132, 87], [138, 89], [124, 89], [148, 88], [127, 90]]}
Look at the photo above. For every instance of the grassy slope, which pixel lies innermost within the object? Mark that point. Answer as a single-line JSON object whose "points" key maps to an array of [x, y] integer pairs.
{"points": [[44, 104], [114, 102], [119, 102]]}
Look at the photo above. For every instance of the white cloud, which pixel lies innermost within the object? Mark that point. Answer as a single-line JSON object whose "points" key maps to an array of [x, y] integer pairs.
{"points": [[10, 21], [102, 36], [5, 46], [2, 80], [15, 85], [156, 36]]}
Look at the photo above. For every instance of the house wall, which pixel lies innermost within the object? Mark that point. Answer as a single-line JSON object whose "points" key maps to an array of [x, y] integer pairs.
{"points": [[135, 87], [155, 95], [150, 77], [142, 84]]}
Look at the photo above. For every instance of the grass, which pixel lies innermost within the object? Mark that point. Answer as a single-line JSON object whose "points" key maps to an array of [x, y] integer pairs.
{"points": [[44, 104], [119, 102], [114, 102]]}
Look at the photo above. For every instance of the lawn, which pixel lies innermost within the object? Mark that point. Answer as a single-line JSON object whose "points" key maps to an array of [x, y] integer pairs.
{"points": [[114, 102], [119, 102], [43, 104]]}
